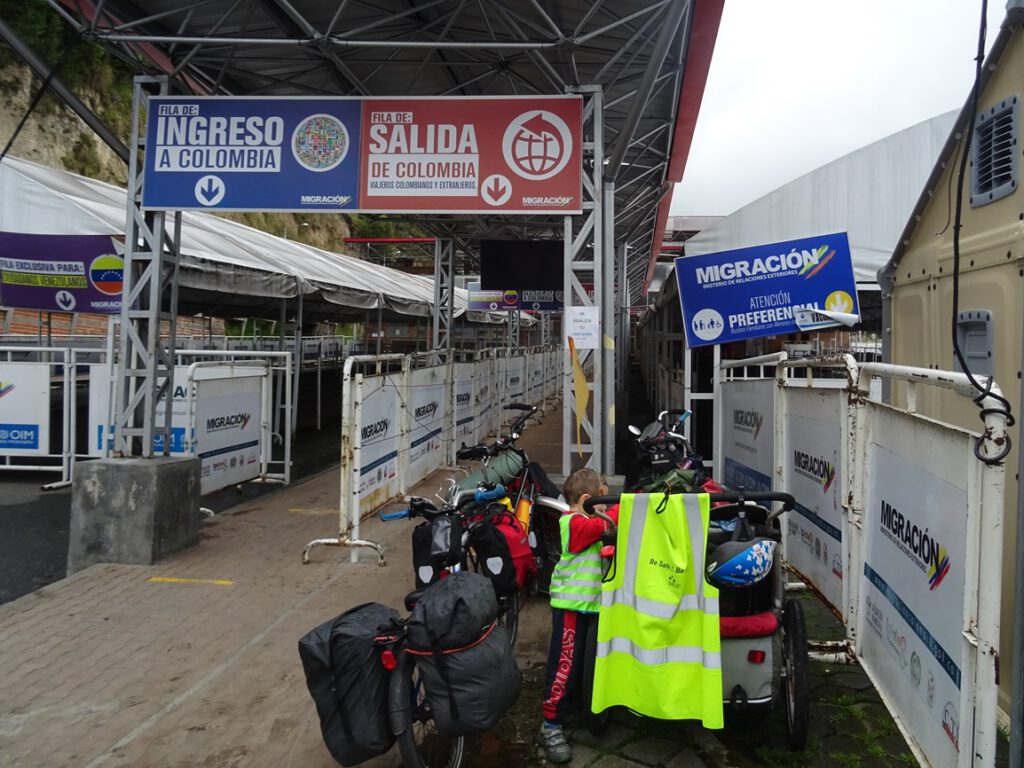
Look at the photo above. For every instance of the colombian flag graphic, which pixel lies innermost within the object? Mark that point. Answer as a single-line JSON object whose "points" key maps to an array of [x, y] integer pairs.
{"points": [[107, 274]]}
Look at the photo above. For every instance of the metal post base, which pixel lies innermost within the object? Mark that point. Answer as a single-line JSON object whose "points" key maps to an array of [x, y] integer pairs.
{"points": [[344, 541]]}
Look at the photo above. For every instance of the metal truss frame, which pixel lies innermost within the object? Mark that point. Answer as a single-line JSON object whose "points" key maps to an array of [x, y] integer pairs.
{"points": [[444, 294], [627, 58], [635, 51], [145, 364]]}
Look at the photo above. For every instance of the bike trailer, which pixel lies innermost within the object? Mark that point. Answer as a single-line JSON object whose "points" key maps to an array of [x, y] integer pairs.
{"points": [[348, 683], [465, 658]]}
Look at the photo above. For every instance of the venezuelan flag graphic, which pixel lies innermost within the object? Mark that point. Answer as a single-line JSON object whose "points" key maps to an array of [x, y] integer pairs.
{"points": [[107, 274], [5, 388], [936, 573]]}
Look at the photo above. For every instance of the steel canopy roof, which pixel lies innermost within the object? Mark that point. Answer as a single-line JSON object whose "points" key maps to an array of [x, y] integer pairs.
{"points": [[449, 47]]}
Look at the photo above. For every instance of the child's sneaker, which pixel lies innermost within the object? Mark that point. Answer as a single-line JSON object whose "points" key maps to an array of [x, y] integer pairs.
{"points": [[556, 748]]}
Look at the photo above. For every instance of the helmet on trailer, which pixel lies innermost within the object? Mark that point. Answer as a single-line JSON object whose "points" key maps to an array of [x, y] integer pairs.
{"points": [[740, 563]]}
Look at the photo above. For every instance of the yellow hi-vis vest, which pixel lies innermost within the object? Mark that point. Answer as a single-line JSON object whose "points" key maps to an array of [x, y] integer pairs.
{"points": [[658, 644]]}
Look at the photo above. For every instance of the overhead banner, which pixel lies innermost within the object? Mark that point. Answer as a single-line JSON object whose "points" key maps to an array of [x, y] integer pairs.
{"points": [[767, 290], [61, 273], [329, 154]]}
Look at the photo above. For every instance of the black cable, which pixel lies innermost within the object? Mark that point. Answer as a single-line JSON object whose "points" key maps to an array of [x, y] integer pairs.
{"points": [[39, 95], [986, 390]]}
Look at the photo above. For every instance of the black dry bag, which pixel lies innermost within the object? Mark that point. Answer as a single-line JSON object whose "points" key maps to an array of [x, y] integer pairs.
{"points": [[348, 683]]}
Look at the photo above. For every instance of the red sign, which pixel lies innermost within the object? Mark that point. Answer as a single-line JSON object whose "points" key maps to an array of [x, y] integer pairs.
{"points": [[502, 155]]}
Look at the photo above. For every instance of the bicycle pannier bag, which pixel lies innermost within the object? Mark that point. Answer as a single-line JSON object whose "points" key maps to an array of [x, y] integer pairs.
{"points": [[471, 688], [348, 683], [503, 551], [446, 540], [426, 570], [452, 612]]}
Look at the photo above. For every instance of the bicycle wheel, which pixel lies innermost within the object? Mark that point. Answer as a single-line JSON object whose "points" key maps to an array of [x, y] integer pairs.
{"points": [[419, 742], [795, 691], [508, 614]]}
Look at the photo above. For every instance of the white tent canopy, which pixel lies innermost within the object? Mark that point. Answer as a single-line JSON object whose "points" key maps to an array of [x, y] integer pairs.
{"points": [[216, 254]]}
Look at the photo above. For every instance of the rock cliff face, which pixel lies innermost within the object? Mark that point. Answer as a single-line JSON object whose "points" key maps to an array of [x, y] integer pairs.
{"points": [[53, 134]]}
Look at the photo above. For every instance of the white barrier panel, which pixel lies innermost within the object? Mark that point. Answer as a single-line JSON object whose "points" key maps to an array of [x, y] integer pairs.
{"points": [[484, 386], [428, 414], [536, 378], [747, 430], [25, 409], [229, 429], [379, 435], [514, 385], [465, 408], [99, 410], [814, 469], [918, 504]]}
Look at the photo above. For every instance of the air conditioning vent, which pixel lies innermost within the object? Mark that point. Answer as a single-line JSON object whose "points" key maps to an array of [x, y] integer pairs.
{"points": [[995, 151]]}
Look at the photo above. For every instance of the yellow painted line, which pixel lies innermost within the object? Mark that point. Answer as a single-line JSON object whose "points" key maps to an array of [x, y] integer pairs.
{"points": [[173, 580], [314, 511]]}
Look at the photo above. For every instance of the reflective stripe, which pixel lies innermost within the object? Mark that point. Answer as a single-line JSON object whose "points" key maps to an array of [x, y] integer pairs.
{"points": [[595, 585], [691, 654], [596, 570], [576, 597], [623, 596]]}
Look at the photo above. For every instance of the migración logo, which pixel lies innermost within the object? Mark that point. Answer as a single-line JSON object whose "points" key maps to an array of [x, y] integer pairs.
{"points": [[917, 543], [816, 263]]}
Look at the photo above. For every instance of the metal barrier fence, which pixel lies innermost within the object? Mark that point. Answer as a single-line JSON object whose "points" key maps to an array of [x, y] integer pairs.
{"points": [[43, 390], [404, 416], [897, 527]]}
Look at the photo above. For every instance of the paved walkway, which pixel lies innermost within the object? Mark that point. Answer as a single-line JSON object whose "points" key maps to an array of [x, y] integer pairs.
{"points": [[193, 661]]}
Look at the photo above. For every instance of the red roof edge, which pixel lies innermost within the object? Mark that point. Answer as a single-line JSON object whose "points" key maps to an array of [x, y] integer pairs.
{"points": [[707, 14]]}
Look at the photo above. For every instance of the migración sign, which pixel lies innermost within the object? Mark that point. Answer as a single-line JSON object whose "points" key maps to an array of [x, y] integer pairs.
{"points": [[767, 290]]}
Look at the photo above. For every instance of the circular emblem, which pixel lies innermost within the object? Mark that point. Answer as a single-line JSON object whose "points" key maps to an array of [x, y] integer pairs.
{"points": [[537, 145], [915, 669], [106, 273], [320, 142], [707, 325], [510, 297], [839, 301]]}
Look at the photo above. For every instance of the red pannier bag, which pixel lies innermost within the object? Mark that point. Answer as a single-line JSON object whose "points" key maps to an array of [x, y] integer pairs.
{"points": [[502, 549]]}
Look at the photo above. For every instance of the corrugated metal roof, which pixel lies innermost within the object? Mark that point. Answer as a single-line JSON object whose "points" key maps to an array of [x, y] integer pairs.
{"points": [[448, 47]]}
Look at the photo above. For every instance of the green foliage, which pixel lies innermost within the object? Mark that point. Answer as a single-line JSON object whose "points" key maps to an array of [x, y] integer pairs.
{"points": [[83, 158], [83, 65]]}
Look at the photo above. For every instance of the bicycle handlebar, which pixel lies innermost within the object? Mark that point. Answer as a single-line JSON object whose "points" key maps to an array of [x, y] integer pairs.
{"points": [[419, 507]]}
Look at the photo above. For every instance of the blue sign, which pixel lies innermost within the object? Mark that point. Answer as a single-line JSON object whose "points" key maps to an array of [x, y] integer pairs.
{"points": [[242, 154], [24, 436], [767, 290]]}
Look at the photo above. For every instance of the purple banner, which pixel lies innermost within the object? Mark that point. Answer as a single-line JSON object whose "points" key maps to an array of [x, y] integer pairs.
{"points": [[61, 273]]}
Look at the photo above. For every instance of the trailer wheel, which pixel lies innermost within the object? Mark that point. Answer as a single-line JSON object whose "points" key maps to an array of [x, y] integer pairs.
{"points": [[795, 690]]}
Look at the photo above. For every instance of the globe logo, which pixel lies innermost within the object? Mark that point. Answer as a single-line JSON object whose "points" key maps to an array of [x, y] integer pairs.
{"points": [[320, 142], [537, 145], [707, 325]]}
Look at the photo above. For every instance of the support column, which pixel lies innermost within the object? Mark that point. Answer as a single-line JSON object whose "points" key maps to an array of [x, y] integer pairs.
{"points": [[608, 312], [145, 365], [444, 295], [584, 243]]}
